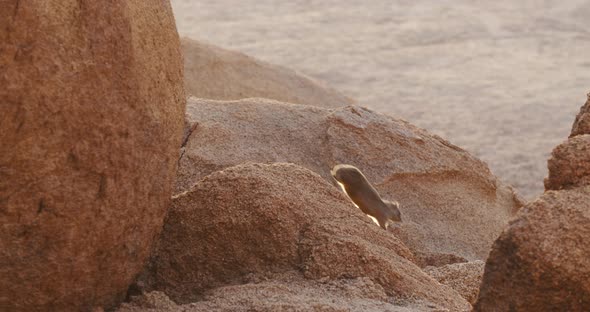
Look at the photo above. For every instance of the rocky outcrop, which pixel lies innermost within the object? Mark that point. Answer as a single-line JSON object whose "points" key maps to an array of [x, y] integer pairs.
{"points": [[450, 202], [465, 278], [258, 220], [540, 262], [582, 122], [569, 165], [90, 124], [215, 73]]}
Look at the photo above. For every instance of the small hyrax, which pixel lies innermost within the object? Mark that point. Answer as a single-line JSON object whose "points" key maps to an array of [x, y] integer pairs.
{"points": [[365, 196]]}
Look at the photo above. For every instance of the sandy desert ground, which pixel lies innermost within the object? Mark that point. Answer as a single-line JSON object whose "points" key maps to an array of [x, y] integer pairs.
{"points": [[503, 79]]}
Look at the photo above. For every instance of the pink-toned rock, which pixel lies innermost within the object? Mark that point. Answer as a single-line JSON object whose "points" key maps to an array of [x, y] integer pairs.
{"points": [[450, 202], [569, 165], [214, 73], [90, 123], [263, 219], [582, 122], [465, 278]]}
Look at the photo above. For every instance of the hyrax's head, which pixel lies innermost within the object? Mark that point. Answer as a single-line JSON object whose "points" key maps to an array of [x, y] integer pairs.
{"points": [[347, 174], [394, 213]]}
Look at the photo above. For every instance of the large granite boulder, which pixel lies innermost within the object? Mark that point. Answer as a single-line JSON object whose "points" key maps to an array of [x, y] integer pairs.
{"points": [[214, 73], [91, 117], [452, 206]]}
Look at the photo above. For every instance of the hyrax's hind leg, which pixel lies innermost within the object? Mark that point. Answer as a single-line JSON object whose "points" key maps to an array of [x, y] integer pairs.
{"points": [[382, 223], [393, 212]]}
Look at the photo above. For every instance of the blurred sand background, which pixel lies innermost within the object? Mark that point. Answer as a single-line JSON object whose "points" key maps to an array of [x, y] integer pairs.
{"points": [[502, 79]]}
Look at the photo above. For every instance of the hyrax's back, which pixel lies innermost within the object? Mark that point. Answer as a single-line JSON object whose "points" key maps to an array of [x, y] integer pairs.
{"points": [[364, 195]]}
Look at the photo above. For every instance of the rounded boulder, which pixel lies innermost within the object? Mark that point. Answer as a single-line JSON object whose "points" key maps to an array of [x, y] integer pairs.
{"points": [[90, 123]]}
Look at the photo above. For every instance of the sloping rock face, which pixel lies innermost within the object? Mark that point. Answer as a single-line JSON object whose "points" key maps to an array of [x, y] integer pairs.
{"points": [[264, 219], [582, 122], [90, 123], [215, 73], [465, 278], [540, 262], [450, 202]]}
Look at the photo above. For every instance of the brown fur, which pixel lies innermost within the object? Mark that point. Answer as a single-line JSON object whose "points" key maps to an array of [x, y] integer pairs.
{"points": [[365, 196]]}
